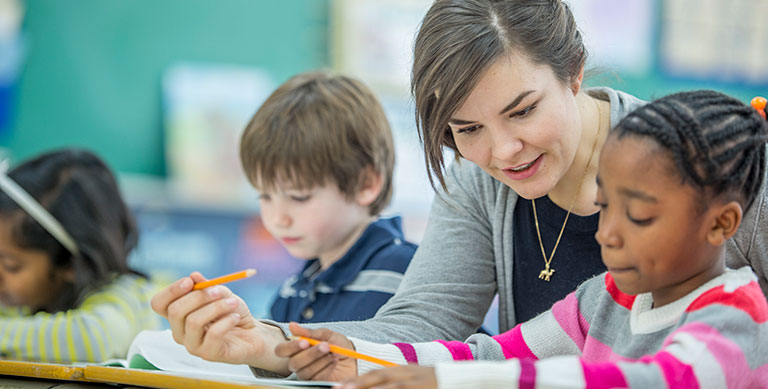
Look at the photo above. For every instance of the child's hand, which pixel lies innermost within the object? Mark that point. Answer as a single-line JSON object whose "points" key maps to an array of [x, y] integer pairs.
{"points": [[215, 324], [410, 376], [317, 362]]}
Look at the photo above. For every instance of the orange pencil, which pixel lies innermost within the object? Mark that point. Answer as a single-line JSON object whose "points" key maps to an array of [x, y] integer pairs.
{"points": [[349, 353], [227, 278]]}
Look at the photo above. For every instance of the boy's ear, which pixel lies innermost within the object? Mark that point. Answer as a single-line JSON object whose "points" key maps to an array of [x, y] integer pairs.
{"points": [[370, 187], [726, 221]]}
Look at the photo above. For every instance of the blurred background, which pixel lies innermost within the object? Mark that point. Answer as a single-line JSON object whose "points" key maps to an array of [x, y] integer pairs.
{"points": [[162, 89]]}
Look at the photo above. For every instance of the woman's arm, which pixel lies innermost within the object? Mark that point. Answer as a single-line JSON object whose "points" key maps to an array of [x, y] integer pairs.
{"points": [[451, 281], [749, 246]]}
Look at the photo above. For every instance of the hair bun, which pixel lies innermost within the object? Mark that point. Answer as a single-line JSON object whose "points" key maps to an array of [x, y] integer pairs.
{"points": [[758, 103]]}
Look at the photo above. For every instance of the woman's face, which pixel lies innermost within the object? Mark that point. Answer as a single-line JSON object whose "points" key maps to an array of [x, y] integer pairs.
{"points": [[521, 125]]}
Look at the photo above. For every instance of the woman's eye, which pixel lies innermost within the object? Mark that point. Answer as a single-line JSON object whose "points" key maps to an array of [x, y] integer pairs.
{"points": [[468, 130], [523, 112], [301, 199], [601, 205]]}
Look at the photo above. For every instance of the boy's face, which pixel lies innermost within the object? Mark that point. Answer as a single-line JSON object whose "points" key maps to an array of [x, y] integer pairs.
{"points": [[652, 237], [315, 223], [27, 277]]}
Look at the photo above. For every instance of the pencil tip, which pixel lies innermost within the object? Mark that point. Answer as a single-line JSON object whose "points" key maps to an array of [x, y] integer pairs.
{"points": [[250, 272]]}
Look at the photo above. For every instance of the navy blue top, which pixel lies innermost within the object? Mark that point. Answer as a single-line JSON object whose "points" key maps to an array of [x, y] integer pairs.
{"points": [[576, 260], [354, 287]]}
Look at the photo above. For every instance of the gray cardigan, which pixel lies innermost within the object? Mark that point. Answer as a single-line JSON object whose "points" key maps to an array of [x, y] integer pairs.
{"points": [[466, 256]]}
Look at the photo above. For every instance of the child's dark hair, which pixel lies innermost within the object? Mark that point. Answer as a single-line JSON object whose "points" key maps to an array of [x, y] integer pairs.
{"points": [[78, 189], [717, 142]]}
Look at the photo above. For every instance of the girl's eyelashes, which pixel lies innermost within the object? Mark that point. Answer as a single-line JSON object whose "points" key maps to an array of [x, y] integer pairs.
{"points": [[640, 222], [264, 197]]}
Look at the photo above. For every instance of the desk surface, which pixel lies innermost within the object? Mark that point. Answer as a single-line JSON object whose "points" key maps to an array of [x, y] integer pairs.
{"points": [[20, 374]]}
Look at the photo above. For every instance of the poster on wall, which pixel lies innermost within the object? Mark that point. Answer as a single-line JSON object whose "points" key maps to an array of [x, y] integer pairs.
{"points": [[715, 40], [206, 108]]}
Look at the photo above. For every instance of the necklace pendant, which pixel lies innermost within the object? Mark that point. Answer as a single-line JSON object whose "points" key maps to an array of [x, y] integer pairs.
{"points": [[546, 273]]}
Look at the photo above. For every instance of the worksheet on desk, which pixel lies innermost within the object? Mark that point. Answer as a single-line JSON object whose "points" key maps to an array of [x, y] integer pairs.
{"points": [[159, 349]]}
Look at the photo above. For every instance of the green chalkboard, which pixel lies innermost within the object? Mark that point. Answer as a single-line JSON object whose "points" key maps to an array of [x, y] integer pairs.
{"points": [[92, 73]]}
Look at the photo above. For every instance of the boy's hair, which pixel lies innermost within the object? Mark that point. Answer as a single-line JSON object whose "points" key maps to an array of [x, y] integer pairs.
{"points": [[320, 128], [459, 40], [717, 142], [79, 190]]}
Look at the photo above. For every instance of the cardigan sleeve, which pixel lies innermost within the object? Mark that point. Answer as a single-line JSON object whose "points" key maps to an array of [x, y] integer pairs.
{"points": [[451, 280], [102, 327]]}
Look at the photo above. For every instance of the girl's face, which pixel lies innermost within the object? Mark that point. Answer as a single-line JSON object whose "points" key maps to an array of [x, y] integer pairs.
{"points": [[521, 125], [317, 223], [651, 234], [27, 277]]}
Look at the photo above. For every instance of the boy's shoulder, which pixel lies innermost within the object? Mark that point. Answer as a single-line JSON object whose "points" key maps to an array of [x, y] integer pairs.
{"points": [[383, 246]]}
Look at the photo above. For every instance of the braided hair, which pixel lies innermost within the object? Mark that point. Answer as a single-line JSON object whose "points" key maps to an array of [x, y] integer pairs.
{"points": [[717, 142]]}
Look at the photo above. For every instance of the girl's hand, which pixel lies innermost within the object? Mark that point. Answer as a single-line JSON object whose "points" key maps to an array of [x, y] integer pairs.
{"points": [[216, 325], [410, 376], [317, 362]]}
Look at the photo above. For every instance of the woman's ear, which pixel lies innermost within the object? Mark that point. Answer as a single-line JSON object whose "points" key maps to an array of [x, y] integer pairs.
{"points": [[576, 82], [727, 218], [370, 187]]}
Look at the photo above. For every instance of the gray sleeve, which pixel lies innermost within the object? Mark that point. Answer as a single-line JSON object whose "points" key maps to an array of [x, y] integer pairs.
{"points": [[451, 280], [749, 246]]}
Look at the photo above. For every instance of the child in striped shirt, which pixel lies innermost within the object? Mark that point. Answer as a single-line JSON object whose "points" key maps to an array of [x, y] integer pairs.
{"points": [[674, 179], [66, 291]]}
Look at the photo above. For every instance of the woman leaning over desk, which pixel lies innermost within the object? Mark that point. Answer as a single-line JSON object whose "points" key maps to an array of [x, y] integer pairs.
{"points": [[500, 83]]}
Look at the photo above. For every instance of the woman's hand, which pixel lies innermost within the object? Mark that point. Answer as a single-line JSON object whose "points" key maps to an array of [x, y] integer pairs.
{"points": [[317, 362], [216, 325], [410, 376]]}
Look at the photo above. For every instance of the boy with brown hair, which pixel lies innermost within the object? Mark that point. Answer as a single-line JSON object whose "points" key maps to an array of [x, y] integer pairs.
{"points": [[321, 155]]}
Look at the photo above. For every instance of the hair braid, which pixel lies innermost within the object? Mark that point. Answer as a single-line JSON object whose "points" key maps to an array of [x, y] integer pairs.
{"points": [[717, 142]]}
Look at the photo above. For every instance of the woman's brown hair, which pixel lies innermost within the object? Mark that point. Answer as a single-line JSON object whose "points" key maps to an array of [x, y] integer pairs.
{"points": [[460, 39]]}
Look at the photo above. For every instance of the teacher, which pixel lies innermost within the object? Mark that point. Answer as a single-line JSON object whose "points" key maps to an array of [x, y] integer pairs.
{"points": [[500, 84]]}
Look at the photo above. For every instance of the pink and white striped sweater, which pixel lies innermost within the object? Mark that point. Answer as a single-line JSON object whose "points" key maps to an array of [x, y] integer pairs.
{"points": [[599, 337]]}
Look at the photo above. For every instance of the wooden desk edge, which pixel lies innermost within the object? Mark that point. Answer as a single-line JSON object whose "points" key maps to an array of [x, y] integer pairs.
{"points": [[156, 378], [42, 370]]}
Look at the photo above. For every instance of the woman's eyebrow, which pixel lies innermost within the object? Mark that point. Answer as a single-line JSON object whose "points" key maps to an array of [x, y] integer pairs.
{"points": [[516, 101], [510, 106]]}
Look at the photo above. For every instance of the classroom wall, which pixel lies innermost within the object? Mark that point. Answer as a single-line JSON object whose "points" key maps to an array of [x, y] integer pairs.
{"points": [[92, 72]]}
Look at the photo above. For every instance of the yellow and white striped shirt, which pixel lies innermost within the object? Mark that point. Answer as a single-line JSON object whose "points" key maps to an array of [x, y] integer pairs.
{"points": [[102, 327]]}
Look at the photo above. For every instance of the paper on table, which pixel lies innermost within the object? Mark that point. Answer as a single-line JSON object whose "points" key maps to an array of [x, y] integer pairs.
{"points": [[159, 349]]}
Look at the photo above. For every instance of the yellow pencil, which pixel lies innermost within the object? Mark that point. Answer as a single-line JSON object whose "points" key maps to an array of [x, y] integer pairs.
{"points": [[349, 353], [227, 278]]}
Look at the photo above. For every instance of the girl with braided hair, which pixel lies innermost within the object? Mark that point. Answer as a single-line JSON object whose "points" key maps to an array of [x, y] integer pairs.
{"points": [[498, 83], [675, 179]]}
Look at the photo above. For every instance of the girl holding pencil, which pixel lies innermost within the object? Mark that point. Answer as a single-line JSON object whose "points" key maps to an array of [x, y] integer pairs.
{"points": [[500, 84]]}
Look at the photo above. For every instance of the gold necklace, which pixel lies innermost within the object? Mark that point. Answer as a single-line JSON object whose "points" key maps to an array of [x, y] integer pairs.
{"points": [[548, 271]]}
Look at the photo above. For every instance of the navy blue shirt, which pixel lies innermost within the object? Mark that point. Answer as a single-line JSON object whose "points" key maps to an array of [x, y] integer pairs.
{"points": [[576, 260], [352, 288]]}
